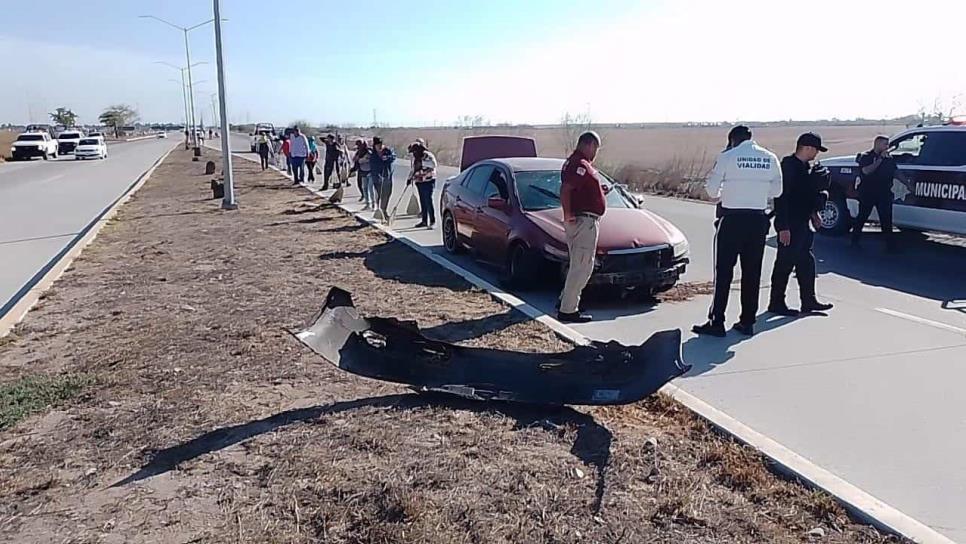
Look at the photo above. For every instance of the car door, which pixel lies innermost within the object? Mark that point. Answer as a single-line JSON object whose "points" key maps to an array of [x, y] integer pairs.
{"points": [[468, 198], [493, 217], [930, 185]]}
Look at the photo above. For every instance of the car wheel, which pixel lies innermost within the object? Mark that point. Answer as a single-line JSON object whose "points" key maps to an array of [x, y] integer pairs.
{"points": [[835, 217], [521, 267], [450, 236], [46, 156], [54, 155]]}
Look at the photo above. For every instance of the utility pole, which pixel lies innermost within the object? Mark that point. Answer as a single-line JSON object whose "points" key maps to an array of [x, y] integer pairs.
{"points": [[228, 203]]}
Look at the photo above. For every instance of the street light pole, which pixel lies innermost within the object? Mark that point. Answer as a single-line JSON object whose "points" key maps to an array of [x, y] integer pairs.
{"points": [[228, 203], [187, 56], [191, 95], [188, 118]]}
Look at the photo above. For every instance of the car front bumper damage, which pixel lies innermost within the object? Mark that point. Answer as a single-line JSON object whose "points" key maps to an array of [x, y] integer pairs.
{"points": [[396, 351]]}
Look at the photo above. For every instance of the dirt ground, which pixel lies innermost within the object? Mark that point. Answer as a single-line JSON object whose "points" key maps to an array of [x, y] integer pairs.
{"points": [[652, 148], [201, 419], [7, 137], [658, 160]]}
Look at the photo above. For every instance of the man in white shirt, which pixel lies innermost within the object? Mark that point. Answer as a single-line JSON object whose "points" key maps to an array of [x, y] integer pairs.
{"points": [[298, 151], [744, 177]]}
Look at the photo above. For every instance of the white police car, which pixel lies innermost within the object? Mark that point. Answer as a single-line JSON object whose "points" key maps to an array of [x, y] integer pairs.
{"points": [[929, 186]]}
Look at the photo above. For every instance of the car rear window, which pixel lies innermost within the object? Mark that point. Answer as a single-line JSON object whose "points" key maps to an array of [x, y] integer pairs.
{"points": [[30, 138], [89, 141], [540, 190], [70, 135]]}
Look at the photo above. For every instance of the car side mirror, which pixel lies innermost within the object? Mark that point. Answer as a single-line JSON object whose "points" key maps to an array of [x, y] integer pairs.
{"points": [[497, 203], [639, 199]]}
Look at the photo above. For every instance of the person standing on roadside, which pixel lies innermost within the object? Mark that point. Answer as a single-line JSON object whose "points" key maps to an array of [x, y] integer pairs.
{"points": [[877, 169], [583, 203], [311, 159], [264, 149], [423, 174], [744, 177], [331, 158], [361, 167], [299, 151], [381, 169], [796, 220], [286, 152]]}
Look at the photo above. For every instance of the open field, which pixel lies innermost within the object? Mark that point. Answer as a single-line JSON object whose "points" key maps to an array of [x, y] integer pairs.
{"points": [[663, 160], [183, 410]]}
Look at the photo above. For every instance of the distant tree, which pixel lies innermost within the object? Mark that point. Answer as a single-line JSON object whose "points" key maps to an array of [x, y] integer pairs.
{"points": [[63, 116], [573, 125], [118, 115]]}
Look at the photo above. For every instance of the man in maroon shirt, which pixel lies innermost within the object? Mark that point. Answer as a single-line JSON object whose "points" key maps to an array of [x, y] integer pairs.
{"points": [[582, 199]]}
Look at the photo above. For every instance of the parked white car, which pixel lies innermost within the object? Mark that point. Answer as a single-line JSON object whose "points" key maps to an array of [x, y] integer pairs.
{"points": [[90, 148], [67, 141], [34, 144]]}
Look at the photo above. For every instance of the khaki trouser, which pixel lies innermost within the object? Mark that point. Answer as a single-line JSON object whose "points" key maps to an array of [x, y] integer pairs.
{"points": [[582, 244]]}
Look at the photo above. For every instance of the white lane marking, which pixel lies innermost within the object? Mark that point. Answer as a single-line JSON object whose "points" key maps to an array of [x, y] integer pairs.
{"points": [[922, 321]]}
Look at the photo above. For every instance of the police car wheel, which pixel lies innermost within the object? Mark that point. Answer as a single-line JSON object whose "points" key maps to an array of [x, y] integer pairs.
{"points": [[835, 217]]}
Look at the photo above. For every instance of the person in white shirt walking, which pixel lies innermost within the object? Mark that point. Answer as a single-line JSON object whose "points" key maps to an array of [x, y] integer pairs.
{"points": [[298, 151], [744, 177]]}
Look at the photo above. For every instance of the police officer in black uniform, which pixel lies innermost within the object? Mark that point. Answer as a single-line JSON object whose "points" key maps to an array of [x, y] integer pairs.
{"points": [[805, 191], [876, 171]]}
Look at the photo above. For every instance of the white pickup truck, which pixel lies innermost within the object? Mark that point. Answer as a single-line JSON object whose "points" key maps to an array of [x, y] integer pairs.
{"points": [[34, 144], [260, 128]]}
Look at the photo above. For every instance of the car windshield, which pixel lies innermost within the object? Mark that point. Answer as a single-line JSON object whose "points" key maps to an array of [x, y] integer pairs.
{"points": [[89, 141], [30, 138], [541, 190]]}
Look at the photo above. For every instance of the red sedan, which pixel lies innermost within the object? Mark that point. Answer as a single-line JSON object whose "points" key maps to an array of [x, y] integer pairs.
{"points": [[507, 211]]}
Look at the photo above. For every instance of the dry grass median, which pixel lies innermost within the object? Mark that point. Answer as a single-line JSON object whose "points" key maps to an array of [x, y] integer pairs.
{"points": [[199, 417]]}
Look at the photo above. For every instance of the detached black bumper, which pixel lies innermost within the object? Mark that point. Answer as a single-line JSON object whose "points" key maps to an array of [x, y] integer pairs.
{"points": [[396, 351]]}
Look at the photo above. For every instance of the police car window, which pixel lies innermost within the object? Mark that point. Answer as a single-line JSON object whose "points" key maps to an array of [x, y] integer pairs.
{"points": [[477, 178], [907, 149], [943, 149]]}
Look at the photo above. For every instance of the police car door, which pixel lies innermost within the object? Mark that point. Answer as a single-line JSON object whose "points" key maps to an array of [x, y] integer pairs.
{"points": [[930, 184]]}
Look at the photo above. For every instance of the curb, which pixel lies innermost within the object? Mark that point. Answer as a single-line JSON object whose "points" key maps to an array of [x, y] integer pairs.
{"points": [[14, 310], [863, 506]]}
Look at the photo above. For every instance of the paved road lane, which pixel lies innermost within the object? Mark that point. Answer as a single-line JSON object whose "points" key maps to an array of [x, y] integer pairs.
{"points": [[871, 393], [45, 204]]}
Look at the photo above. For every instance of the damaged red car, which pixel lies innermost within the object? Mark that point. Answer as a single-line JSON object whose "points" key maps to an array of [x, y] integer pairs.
{"points": [[505, 208]]}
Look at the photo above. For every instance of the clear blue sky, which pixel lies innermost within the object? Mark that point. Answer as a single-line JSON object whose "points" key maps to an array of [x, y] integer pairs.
{"points": [[507, 60]]}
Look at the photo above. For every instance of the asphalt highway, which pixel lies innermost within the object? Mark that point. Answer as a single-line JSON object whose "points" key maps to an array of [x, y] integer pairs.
{"points": [[46, 205]]}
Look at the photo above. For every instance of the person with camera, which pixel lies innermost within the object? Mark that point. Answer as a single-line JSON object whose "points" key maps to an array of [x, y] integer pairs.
{"points": [[744, 177], [877, 169], [805, 191]]}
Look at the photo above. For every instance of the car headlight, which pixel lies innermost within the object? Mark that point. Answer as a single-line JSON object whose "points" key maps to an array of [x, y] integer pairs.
{"points": [[681, 248]]}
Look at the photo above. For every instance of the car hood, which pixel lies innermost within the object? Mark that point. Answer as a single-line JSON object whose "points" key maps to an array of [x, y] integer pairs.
{"points": [[24, 144], [620, 228], [90, 147], [839, 161]]}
